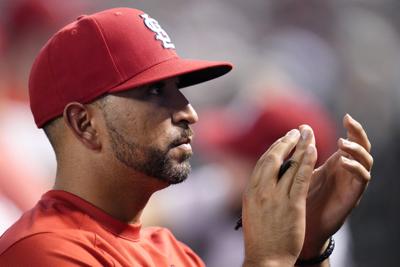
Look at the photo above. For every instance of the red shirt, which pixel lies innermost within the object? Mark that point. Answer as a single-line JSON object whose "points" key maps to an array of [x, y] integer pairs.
{"points": [[65, 230]]}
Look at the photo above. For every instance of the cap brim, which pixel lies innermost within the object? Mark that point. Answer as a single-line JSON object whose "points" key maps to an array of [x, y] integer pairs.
{"points": [[189, 71]]}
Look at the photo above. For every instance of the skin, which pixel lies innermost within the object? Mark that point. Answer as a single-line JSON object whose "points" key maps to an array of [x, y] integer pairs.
{"points": [[157, 118], [274, 211], [325, 197], [337, 187], [152, 150], [104, 149]]}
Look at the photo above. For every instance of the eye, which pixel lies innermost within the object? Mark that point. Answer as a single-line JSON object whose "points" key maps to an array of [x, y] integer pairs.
{"points": [[155, 90]]}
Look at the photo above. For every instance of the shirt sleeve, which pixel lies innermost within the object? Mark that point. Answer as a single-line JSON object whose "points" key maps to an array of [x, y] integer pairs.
{"points": [[49, 249]]}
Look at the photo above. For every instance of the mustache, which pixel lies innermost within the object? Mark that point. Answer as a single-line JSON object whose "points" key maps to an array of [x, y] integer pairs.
{"points": [[185, 136]]}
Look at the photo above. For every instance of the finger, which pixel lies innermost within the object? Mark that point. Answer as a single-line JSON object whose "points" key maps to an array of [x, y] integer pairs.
{"points": [[269, 149], [272, 160], [260, 160], [306, 126], [355, 132], [357, 152], [307, 137], [267, 166], [302, 178], [356, 168]]}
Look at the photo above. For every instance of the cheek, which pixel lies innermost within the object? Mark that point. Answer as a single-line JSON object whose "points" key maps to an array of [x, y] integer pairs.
{"points": [[157, 133], [153, 129], [145, 124]]}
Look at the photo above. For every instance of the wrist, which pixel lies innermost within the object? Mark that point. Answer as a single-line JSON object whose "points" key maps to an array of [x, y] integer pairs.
{"points": [[318, 260], [310, 251], [267, 263]]}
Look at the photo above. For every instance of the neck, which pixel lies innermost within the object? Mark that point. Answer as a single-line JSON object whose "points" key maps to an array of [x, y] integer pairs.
{"points": [[122, 194]]}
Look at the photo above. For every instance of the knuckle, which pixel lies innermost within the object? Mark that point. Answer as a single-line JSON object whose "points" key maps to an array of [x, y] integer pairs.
{"points": [[261, 196], [301, 179], [266, 198], [294, 164], [286, 140], [271, 158]]}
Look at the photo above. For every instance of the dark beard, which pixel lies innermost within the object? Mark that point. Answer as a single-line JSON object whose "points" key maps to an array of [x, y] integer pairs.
{"points": [[150, 161]]}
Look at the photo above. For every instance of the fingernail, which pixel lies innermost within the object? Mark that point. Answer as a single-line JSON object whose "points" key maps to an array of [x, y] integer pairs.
{"points": [[293, 133], [348, 115], [346, 142], [305, 134]]}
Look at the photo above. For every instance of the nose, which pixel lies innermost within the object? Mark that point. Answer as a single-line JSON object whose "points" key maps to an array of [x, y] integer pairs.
{"points": [[186, 114]]}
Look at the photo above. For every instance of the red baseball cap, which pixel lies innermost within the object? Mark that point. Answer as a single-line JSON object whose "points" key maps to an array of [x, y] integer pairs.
{"points": [[110, 51]]}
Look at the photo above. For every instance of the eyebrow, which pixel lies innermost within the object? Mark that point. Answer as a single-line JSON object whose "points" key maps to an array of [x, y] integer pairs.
{"points": [[161, 85]]}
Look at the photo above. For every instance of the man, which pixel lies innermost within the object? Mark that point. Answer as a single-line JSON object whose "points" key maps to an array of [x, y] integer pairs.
{"points": [[105, 89]]}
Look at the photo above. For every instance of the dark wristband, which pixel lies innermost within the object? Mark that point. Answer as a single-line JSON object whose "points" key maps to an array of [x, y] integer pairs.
{"points": [[328, 251]]}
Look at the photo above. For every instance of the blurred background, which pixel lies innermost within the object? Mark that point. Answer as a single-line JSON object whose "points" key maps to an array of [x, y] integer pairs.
{"points": [[296, 62]]}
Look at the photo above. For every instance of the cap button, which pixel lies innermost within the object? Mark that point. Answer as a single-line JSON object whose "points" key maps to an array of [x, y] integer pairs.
{"points": [[80, 17]]}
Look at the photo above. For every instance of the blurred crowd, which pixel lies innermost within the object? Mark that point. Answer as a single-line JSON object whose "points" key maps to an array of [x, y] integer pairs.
{"points": [[296, 61]]}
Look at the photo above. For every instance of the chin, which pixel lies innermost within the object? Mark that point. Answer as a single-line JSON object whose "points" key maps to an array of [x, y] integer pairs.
{"points": [[177, 174]]}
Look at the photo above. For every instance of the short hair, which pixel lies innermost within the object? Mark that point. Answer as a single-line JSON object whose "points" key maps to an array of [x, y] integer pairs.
{"points": [[53, 129]]}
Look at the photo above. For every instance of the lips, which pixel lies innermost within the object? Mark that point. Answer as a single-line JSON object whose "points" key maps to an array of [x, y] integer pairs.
{"points": [[183, 144], [181, 141]]}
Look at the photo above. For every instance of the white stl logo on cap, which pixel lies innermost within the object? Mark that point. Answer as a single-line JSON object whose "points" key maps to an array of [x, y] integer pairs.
{"points": [[161, 35]]}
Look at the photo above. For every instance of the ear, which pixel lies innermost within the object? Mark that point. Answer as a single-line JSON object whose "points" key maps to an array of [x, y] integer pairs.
{"points": [[80, 121]]}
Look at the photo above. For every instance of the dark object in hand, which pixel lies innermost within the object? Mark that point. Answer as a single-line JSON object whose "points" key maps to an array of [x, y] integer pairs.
{"points": [[285, 165]]}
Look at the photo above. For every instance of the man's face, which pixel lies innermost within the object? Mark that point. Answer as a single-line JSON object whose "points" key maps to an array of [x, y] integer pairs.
{"points": [[149, 130]]}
